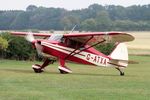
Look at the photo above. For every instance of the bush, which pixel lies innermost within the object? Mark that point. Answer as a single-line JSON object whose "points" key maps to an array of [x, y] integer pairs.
{"points": [[106, 48], [18, 48], [3, 43]]}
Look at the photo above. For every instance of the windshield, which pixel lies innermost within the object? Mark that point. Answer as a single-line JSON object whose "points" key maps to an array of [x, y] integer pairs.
{"points": [[56, 37]]}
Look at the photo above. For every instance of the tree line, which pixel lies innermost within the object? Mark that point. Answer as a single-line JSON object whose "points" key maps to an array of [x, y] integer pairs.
{"points": [[94, 18]]}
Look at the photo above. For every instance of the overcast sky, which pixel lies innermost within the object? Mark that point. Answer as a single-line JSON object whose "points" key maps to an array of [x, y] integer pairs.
{"points": [[67, 4]]}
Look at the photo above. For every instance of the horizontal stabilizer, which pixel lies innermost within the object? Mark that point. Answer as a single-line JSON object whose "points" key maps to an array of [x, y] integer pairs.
{"points": [[133, 62]]}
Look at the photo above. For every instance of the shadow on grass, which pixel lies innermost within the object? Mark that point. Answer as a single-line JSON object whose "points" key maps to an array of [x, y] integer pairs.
{"points": [[57, 73], [91, 74]]}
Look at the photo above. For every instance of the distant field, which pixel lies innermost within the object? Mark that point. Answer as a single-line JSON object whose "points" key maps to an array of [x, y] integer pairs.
{"points": [[19, 82], [141, 44]]}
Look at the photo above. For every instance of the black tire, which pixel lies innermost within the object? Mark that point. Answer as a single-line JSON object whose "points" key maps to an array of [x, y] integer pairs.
{"points": [[37, 70], [63, 72], [122, 74]]}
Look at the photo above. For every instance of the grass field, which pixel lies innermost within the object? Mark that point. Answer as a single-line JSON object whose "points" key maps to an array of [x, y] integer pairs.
{"points": [[18, 82]]}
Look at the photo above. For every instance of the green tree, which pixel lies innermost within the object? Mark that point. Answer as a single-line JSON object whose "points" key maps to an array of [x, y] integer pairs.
{"points": [[103, 21], [21, 21], [6, 18], [18, 48], [3, 43], [68, 22], [31, 8], [106, 48], [3, 46], [89, 25], [123, 25]]}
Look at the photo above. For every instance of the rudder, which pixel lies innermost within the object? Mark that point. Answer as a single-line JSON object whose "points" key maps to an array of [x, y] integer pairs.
{"points": [[119, 55]]}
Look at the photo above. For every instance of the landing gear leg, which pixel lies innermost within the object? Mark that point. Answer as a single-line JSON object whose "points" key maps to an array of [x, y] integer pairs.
{"points": [[40, 68], [62, 68], [121, 71]]}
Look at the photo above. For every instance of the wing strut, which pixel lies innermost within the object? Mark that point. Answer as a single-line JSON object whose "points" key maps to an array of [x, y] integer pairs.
{"points": [[79, 47], [89, 47], [71, 54]]}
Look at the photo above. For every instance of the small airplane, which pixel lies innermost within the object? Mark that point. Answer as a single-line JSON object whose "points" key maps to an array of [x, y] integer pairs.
{"points": [[79, 48]]}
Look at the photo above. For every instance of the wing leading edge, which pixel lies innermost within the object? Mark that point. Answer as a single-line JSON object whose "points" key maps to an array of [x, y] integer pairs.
{"points": [[82, 37], [34, 34], [100, 36]]}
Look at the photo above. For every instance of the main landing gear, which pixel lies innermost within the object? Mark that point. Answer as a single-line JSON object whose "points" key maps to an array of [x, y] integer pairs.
{"points": [[62, 68], [120, 70]]}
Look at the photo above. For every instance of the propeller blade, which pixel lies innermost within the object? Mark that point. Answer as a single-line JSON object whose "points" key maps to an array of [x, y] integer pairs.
{"points": [[29, 37], [39, 48]]}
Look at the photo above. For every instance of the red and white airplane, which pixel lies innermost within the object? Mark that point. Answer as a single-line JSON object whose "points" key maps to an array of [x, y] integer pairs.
{"points": [[79, 47]]}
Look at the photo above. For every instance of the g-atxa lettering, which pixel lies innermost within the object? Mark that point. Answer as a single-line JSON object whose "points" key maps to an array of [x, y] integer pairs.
{"points": [[96, 59]]}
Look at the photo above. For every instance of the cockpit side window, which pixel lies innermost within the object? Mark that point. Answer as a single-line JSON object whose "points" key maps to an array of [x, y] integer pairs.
{"points": [[56, 37], [74, 44]]}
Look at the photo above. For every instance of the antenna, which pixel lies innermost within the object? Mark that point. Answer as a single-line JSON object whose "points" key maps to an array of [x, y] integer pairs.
{"points": [[73, 29]]}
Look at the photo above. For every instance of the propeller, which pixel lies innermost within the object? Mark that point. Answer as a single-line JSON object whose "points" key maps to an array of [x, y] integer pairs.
{"points": [[39, 48], [29, 37]]}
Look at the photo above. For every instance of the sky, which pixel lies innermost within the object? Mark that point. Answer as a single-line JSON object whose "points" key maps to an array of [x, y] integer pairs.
{"points": [[67, 4]]}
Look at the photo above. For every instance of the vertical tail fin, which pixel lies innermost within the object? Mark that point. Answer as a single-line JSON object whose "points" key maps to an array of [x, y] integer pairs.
{"points": [[120, 55]]}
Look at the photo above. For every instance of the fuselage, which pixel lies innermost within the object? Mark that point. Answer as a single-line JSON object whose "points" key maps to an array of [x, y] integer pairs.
{"points": [[78, 47], [74, 52]]}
